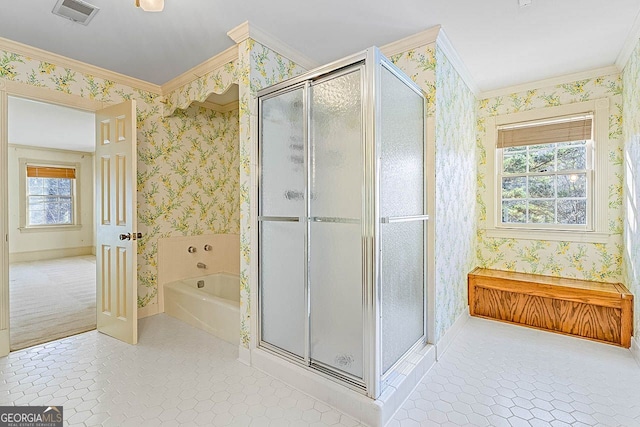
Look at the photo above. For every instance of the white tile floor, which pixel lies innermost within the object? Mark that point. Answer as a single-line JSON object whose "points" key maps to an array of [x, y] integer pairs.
{"points": [[493, 374]]}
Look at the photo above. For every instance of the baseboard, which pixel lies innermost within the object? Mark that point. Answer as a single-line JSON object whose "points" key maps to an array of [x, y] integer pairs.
{"points": [[635, 349], [5, 343], [51, 254], [450, 334], [244, 355], [147, 311]]}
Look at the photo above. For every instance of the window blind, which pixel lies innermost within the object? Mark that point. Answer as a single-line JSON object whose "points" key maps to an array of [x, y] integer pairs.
{"points": [[50, 172], [573, 129]]}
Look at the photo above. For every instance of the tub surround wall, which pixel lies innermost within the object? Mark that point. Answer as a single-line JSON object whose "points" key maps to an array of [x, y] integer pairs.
{"points": [[631, 188], [590, 261], [176, 263]]}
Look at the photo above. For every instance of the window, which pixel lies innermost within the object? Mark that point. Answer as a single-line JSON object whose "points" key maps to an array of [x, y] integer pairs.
{"points": [[545, 173], [50, 195]]}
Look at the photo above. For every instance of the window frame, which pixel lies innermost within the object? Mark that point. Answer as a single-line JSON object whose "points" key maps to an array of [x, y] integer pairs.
{"points": [[596, 229], [23, 191]]}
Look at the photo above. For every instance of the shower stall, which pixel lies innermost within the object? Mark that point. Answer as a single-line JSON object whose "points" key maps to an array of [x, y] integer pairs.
{"points": [[342, 220]]}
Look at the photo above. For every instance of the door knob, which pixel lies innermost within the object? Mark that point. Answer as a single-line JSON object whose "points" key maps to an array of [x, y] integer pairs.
{"points": [[131, 236]]}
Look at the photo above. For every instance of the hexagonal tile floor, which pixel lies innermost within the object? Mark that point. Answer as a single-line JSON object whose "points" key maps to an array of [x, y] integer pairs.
{"points": [[492, 375], [495, 374], [176, 375]]}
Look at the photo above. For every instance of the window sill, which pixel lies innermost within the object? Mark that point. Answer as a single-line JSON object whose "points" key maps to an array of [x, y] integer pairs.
{"points": [[50, 228], [553, 235]]}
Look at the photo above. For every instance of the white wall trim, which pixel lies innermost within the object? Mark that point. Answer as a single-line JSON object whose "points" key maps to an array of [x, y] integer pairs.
{"points": [[55, 150], [244, 355], [81, 67], [452, 55], [4, 221], [414, 41], [239, 33], [50, 254], [23, 90], [224, 57], [629, 44], [635, 349], [553, 81], [451, 333], [553, 235], [248, 30], [5, 342], [147, 311]]}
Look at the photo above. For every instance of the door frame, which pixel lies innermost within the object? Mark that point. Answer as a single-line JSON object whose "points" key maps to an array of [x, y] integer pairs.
{"points": [[12, 88]]}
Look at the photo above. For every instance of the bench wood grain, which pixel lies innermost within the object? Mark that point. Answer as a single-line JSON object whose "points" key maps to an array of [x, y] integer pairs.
{"points": [[594, 310]]}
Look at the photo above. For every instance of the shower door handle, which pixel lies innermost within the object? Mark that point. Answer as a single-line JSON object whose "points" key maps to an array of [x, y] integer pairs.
{"points": [[392, 219], [279, 218], [334, 220]]}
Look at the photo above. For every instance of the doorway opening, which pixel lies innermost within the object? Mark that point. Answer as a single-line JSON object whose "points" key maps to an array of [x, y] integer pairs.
{"points": [[52, 264]]}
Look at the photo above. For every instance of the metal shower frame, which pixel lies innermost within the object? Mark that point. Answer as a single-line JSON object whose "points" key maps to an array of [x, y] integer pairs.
{"points": [[370, 62]]}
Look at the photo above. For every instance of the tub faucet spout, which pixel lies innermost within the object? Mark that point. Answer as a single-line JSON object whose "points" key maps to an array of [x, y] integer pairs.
{"points": [[202, 265]]}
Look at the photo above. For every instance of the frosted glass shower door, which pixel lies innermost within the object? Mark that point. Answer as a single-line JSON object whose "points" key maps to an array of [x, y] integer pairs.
{"points": [[282, 222], [335, 240], [402, 208]]}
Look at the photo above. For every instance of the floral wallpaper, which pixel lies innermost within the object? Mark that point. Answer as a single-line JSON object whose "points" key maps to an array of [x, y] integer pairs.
{"points": [[455, 200], [589, 261], [420, 65], [216, 81], [631, 190], [188, 182], [453, 105], [258, 67], [187, 163]]}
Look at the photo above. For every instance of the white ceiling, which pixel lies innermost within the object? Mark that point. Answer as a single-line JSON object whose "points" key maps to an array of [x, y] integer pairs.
{"points": [[500, 43], [37, 124]]}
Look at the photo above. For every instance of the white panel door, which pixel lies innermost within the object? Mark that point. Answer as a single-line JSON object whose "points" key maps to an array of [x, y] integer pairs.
{"points": [[116, 234]]}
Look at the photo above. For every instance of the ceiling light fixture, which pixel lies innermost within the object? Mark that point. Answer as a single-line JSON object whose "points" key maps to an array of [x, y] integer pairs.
{"points": [[150, 5], [524, 3]]}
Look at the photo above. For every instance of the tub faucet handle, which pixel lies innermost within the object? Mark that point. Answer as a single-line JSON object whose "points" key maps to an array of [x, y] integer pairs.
{"points": [[207, 247], [201, 265], [191, 249]]}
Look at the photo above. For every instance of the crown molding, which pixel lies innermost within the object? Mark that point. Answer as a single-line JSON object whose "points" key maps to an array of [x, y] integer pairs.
{"points": [[218, 107], [247, 30], [422, 38], [240, 33], [456, 61], [82, 67], [629, 44], [224, 57], [553, 81]]}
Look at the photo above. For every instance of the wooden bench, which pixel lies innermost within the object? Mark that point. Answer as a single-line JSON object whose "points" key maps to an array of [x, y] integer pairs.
{"points": [[593, 310]]}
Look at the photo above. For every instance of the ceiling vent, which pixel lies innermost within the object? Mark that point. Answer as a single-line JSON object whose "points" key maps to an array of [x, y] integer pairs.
{"points": [[76, 10]]}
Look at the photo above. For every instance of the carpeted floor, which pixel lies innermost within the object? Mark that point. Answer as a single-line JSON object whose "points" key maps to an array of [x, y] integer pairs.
{"points": [[51, 299]]}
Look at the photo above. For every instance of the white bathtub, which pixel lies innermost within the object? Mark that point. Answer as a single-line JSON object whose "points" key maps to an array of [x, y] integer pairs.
{"points": [[214, 308]]}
